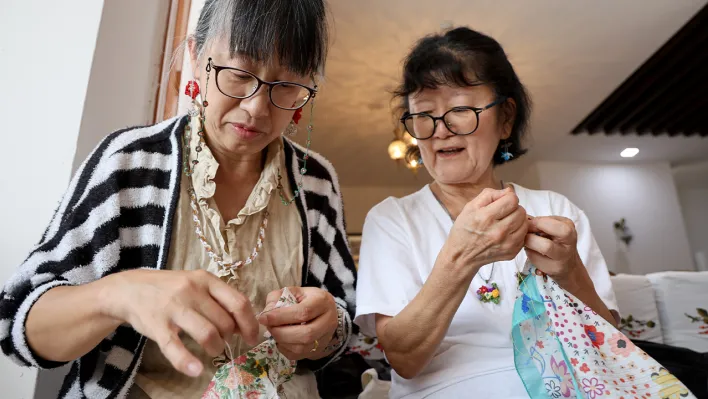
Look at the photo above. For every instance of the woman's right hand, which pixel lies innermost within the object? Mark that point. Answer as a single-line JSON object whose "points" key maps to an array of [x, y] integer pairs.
{"points": [[160, 304], [491, 228]]}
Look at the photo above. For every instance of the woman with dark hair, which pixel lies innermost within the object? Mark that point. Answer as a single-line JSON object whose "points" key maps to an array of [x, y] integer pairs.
{"points": [[454, 248], [172, 238]]}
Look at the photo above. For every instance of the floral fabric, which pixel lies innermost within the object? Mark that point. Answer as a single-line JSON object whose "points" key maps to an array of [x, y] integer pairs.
{"points": [[563, 349], [259, 373], [368, 347], [635, 328], [701, 317]]}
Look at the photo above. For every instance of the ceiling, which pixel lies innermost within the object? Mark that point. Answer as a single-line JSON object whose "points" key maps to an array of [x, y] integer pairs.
{"points": [[570, 55], [666, 95]]}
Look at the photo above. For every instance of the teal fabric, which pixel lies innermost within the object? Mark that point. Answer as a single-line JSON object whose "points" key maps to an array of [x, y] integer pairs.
{"points": [[530, 325]]}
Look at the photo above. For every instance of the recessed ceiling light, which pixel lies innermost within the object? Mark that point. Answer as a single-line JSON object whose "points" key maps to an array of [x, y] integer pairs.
{"points": [[629, 152]]}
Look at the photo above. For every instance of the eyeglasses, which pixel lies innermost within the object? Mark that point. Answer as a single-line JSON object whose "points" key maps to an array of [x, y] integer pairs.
{"points": [[459, 120], [240, 84]]}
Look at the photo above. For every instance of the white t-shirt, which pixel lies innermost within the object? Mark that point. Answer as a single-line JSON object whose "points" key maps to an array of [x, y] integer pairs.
{"points": [[400, 243]]}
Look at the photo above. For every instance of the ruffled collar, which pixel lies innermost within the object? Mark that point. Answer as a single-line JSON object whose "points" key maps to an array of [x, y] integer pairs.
{"points": [[205, 171]]}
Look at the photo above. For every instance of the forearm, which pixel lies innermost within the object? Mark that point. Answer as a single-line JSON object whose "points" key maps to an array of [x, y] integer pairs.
{"points": [[68, 322], [411, 338]]}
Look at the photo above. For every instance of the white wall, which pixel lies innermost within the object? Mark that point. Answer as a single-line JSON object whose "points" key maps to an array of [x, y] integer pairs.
{"points": [[694, 202], [523, 172], [645, 195], [122, 89], [46, 50], [125, 75], [66, 84], [692, 182]]}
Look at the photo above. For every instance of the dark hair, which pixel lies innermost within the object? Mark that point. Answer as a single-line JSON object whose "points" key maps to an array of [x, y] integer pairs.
{"points": [[294, 31], [464, 57]]}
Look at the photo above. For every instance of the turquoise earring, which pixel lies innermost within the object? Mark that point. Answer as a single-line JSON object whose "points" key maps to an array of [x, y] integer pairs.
{"points": [[506, 155]]}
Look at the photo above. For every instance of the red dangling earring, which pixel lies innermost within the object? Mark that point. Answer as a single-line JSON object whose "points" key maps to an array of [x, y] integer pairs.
{"points": [[297, 115], [291, 130], [192, 89]]}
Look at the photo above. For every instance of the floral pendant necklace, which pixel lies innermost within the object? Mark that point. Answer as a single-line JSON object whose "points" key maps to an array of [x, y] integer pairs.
{"points": [[487, 292]]}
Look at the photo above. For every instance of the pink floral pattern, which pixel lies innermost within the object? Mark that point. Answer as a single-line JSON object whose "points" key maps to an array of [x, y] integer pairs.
{"points": [[576, 353], [258, 374], [621, 345], [593, 387], [561, 370], [211, 391]]}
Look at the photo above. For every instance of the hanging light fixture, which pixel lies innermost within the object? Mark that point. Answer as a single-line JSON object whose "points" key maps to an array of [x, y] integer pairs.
{"points": [[413, 159], [404, 148], [409, 140], [397, 149]]}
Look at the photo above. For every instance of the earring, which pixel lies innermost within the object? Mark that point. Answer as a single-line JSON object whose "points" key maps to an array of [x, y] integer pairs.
{"points": [[202, 116], [192, 90], [505, 154], [305, 157], [291, 130]]}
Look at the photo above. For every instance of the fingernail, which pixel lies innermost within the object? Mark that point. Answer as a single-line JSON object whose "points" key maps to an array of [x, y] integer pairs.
{"points": [[194, 369]]}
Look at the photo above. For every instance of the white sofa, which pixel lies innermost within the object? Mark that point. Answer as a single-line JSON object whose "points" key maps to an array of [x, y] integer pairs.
{"points": [[666, 307]]}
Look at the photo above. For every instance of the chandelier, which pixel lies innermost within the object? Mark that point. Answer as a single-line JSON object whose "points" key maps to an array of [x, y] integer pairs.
{"points": [[404, 148]]}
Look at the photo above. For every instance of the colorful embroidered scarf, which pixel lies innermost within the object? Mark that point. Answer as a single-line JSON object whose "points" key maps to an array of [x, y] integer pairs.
{"points": [[563, 349], [258, 374]]}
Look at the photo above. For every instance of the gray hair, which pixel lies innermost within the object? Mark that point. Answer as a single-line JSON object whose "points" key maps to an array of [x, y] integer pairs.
{"points": [[291, 32]]}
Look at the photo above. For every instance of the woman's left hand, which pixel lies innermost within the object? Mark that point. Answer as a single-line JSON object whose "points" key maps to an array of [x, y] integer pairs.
{"points": [[305, 329], [551, 245]]}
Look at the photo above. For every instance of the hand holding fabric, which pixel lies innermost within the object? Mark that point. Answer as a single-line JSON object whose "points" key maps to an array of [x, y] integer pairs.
{"points": [[259, 373], [302, 330], [161, 304], [551, 245], [490, 228]]}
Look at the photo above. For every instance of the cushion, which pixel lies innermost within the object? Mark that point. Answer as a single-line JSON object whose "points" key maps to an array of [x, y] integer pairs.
{"points": [[682, 299], [637, 307], [374, 388]]}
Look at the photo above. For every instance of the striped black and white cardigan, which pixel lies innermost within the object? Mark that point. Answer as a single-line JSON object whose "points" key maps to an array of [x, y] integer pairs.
{"points": [[117, 215]]}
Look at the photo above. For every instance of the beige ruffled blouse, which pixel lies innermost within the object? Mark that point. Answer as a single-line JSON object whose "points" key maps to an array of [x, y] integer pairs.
{"points": [[278, 265]]}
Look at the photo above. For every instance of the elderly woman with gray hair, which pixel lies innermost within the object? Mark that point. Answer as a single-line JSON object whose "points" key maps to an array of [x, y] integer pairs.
{"points": [[172, 238]]}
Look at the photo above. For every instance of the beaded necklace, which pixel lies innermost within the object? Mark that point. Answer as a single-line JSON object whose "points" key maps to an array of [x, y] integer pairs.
{"points": [[224, 268], [230, 268]]}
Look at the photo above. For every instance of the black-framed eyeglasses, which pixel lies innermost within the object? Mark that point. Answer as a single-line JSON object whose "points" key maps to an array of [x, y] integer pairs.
{"points": [[458, 120], [241, 84]]}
